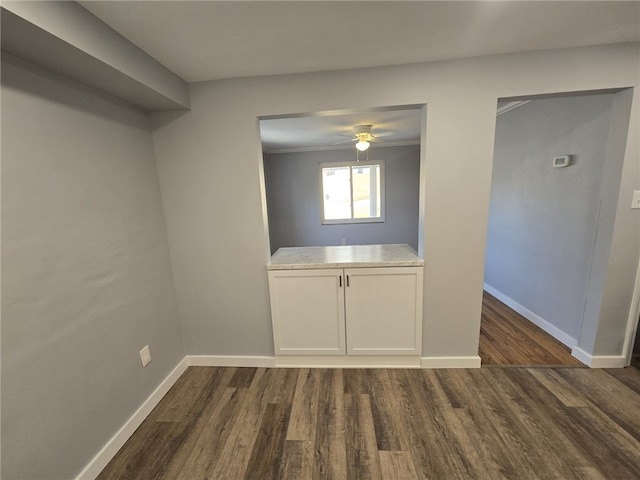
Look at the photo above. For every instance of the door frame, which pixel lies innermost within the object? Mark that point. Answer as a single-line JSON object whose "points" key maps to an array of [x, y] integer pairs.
{"points": [[632, 322]]}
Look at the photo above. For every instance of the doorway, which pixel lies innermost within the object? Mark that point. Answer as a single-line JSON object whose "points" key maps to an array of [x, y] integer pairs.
{"points": [[551, 175], [635, 354]]}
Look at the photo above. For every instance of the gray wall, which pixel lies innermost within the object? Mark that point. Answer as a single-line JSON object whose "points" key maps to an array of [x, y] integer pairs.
{"points": [[605, 297], [211, 173], [86, 277], [293, 198], [543, 220]]}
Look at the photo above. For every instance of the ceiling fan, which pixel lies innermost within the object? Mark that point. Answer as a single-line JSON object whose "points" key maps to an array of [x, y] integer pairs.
{"points": [[363, 136]]}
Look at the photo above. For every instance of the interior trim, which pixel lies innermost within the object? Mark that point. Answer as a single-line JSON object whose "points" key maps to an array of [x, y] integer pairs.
{"points": [[106, 454], [472, 361], [548, 327], [599, 361], [230, 361]]}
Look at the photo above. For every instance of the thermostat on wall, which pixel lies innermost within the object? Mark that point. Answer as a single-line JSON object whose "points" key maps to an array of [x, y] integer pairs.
{"points": [[563, 161]]}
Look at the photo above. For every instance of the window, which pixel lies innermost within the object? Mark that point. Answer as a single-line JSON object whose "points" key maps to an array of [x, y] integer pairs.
{"points": [[352, 192]]}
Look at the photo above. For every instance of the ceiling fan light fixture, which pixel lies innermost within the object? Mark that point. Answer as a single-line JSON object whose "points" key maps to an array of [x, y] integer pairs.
{"points": [[362, 145]]}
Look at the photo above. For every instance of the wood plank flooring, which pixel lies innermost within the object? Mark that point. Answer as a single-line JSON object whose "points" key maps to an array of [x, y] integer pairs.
{"points": [[488, 423], [507, 338]]}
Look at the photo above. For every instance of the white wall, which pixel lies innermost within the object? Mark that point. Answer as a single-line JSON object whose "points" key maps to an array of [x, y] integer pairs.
{"points": [[293, 198], [209, 162], [543, 220], [86, 276]]}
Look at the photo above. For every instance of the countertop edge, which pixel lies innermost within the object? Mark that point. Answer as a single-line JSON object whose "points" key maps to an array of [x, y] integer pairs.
{"points": [[353, 256], [317, 266]]}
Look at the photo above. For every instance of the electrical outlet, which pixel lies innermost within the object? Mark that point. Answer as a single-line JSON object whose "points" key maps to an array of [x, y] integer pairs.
{"points": [[635, 203], [145, 356], [344, 241]]}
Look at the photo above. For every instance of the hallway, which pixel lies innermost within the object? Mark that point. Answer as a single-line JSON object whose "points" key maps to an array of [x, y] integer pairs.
{"points": [[507, 338]]}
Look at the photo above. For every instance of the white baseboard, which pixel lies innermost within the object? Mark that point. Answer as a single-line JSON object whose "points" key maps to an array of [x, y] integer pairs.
{"points": [[551, 329], [333, 361], [104, 456], [581, 355], [229, 361], [599, 361], [450, 362], [346, 361]]}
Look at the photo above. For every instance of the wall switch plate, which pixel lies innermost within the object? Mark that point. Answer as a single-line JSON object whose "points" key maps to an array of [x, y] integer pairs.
{"points": [[635, 203], [145, 356]]}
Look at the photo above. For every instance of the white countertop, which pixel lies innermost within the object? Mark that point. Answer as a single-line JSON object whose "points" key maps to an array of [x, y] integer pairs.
{"points": [[298, 258]]}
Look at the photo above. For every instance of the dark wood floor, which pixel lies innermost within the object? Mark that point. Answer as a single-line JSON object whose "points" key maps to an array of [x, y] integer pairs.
{"points": [[507, 338], [488, 423]]}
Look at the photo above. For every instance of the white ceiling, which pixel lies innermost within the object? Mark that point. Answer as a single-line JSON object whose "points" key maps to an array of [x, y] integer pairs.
{"points": [[323, 131], [207, 40]]}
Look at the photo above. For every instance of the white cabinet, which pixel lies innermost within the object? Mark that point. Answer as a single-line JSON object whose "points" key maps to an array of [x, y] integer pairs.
{"points": [[307, 309], [351, 311], [384, 311]]}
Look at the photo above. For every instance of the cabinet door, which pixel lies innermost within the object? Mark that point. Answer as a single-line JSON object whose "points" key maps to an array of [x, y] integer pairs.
{"points": [[384, 311], [307, 310]]}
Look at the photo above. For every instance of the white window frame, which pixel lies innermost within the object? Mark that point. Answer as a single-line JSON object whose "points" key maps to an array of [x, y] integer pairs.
{"points": [[379, 219]]}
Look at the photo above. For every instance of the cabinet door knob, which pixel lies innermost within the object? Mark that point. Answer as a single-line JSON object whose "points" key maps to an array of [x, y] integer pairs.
{"points": [[347, 280], [340, 277]]}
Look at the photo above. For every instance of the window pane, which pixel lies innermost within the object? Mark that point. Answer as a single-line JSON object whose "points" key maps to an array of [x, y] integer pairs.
{"points": [[366, 191], [352, 192], [336, 190]]}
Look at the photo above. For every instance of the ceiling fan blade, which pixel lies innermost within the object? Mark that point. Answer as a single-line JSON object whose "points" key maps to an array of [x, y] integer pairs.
{"points": [[346, 141], [382, 134]]}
